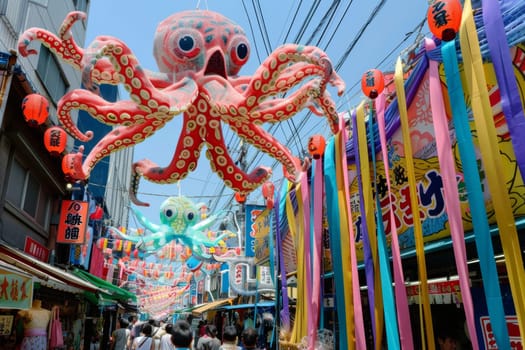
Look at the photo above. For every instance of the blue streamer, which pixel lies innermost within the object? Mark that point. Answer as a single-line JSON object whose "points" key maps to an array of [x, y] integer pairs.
{"points": [[480, 224], [332, 209], [389, 308]]}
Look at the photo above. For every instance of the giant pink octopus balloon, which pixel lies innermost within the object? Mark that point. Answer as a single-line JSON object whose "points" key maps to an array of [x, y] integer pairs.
{"points": [[199, 54]]}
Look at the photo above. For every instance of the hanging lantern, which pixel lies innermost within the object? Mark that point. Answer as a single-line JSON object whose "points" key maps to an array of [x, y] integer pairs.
{"points": [[98, 214], [372, 83], [35, 109], [444, 18], [240, 197], [67, 167], [102, 243], [316, 146], [267, 191], [55, 139]]}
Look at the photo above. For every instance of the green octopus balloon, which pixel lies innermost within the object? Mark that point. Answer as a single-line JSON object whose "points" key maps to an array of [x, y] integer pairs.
{"points": [[180, 220]]}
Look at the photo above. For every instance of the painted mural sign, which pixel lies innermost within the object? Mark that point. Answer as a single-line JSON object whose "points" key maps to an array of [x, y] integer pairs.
{"points": [[429, 182], [514, 333]]}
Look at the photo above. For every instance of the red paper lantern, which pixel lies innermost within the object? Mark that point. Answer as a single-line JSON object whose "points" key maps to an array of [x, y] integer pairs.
{"points": [[35, 109], [372, 83], [55, 140], [444, 18], [240, 197], [316, 146], [67, 167]]}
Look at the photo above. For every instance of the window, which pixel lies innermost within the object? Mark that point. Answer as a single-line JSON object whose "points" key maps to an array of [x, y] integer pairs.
{"points": [[81, 5], [14, 13], [51, 75], [26, 193]]}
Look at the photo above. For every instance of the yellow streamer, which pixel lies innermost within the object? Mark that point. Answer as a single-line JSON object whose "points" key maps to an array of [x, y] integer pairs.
{"points": [[345, 244], [488, 143], [414, 203], [370, 221], [297, 231]]}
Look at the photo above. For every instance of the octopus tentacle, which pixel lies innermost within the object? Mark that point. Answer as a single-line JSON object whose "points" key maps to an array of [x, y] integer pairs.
{"points": [[184, 161], [266, 143], [135, 79], [279, 60], [63, 45], [121, 112], [119, 138], [225, 167]]}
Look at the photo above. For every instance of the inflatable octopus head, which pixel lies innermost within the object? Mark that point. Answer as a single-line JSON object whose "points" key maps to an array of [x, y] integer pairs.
{"points": [[200, 41]]}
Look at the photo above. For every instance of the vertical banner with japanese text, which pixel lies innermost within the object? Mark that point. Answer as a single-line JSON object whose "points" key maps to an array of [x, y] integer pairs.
{"points": [[252, 211], [73, 222]]}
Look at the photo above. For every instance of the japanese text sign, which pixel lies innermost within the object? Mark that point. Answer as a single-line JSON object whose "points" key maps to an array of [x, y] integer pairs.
{"points": [[73, 222]]}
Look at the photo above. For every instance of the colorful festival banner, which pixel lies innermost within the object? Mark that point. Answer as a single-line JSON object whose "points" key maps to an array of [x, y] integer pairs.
{"points": [[73, 222], [429, 181]]}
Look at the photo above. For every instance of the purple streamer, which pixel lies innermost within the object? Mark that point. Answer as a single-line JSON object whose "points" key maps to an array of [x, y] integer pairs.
{"points": [[502, 62]]}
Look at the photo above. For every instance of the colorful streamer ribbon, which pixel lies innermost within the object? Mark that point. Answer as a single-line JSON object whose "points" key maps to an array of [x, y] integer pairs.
{"points": [[296, 227], [369, 220], [414, 204], [403, 312], [367, 246], [344, 200], [317, 236], [279, 208], [488, 143], [389, 309], [450, 189], [467, 154], [346, 326], [508, 88]]}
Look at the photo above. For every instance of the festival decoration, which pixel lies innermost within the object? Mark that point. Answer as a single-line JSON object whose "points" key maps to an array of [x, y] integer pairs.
{"points": [[240, 197], [180, 220], [199, 54], [239, 268], [372, 83], [268, 189], [35, 109], [55, 139], [316, 146], [444, 18]]}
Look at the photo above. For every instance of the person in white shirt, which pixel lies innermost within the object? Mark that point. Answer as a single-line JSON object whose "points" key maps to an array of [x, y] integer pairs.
{"points": [[144, 341]]}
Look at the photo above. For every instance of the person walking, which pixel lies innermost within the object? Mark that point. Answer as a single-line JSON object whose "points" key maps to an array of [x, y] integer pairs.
{"points": [[120, 336], [209, 340], [144, 341], [182, 336]]}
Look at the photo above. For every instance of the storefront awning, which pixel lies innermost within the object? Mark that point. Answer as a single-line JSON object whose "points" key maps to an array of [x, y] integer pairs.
{"points": [[200, 309], [48, 275], [112, 293]]}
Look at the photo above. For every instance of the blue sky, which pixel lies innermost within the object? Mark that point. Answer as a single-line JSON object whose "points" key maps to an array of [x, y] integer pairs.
{"points": [[381, 40]]}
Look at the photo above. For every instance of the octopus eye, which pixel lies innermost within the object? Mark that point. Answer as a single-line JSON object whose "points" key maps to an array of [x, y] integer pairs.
{"points": [[242, 51], [190, 216], [168, 213], [239, 51], [186, 43]]}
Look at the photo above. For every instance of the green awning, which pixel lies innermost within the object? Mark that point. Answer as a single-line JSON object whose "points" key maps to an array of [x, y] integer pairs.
{"points": [[111, 293]]}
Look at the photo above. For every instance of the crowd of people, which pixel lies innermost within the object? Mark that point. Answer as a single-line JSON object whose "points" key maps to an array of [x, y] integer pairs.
{"points": [[152, 335]]}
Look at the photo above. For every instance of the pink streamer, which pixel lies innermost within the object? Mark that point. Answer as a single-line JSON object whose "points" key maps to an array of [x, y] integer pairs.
{"points": [[403, 315], [317, 243], [360, 338], [312, 328], [450, 188]]}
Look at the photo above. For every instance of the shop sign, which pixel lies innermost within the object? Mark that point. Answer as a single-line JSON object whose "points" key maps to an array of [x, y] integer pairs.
{"points": [[252, 212], [446, 292], [36, 250], [263, 227], [73, 222], [514, 333], [16, 290]]}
